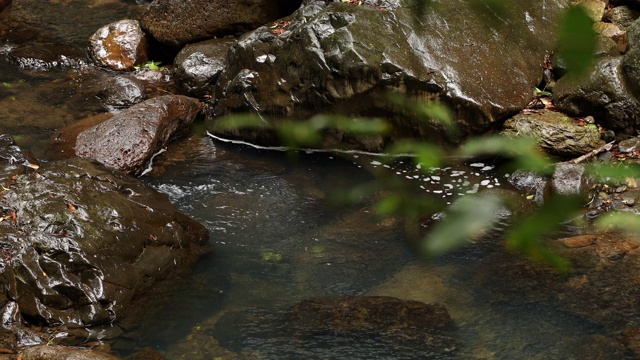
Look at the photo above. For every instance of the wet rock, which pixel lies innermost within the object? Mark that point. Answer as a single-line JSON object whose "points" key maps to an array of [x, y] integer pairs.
{"points": [[64, 141], [569, 179], [128, 140], [597, 347], [52, 352], [198, 66], [593, 8], [121, 92], [614, 33], [530, 183], [623, 16], [381, 313], [603, 94], [119, 46], [81, 243], [341, 58], [177, 23], [555, 133], [146, 354], [579, 241], [629, 145]]}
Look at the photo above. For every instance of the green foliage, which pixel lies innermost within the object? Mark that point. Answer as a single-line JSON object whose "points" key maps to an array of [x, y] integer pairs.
{"points": [[626, 222], [577, 41], [151, 65]]}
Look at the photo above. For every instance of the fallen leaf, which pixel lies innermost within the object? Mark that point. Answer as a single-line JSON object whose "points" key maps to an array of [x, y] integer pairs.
{"points": [[71, 208]]}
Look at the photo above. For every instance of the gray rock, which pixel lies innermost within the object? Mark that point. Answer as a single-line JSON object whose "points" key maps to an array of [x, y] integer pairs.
{"points": [[530, 183], [554, 132], [569, 179], [623, 16], [121, 92], [344, 58], [198, 66], [128, 140], [177, 23], [629, 145], [119, 46], [603, 94]]}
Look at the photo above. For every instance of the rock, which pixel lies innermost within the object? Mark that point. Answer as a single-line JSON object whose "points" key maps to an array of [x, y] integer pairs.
{"points": [[343, 58], [81, 244], [198, 66], [596, 347], [119, 46], [64, 141], [603, 94], [146, 354], [121, 92], [569, 179], [613, 32], [354, 313], [579, 241], [530, 183], [555, 133], [629, 145], [622, 16], [53, 352], [128, 140], [614, 248], [177, 23], [593, 8]]}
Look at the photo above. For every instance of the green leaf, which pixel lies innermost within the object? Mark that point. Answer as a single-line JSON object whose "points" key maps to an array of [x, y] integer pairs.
{"points": [[627, 222], [239, 121], [527, 235], [463, 223], [389, 205], [524, 152], [577, 41], [7, 85]]}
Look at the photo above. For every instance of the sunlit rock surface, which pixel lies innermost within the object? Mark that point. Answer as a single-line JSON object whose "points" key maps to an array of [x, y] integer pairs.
{"points": [[119, 46], [345, 58]]}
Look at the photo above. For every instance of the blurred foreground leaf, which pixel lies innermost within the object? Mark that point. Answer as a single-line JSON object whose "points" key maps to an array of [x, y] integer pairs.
{"points": [[238, 122], [577, 41], [464, 222], [523, 151], [527, 235], [627, 222]]}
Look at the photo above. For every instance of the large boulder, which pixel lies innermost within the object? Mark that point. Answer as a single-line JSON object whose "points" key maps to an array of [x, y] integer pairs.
{"points": [[603, 94], [177, 23], [345, 58], [554, 132], [81, 244], [128, 140]]}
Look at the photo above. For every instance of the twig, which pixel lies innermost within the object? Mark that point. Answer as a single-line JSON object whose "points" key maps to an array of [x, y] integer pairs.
{"points": [[605, 147]]}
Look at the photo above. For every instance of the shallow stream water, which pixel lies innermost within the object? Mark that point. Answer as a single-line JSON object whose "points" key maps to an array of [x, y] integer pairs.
{"points": [[281, 235]]}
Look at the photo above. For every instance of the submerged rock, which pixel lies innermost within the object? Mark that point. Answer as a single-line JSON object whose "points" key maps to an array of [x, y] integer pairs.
{"points": [[80, 244], [177, 23], [119, 46], [52, 352], [345, 58], [554, 132], [128, 140], [569, 179]]}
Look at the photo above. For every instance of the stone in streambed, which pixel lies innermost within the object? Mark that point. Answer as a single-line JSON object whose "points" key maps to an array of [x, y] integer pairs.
{"points": [[554, 132], [127, 141], [53, 352], [119, 46]]}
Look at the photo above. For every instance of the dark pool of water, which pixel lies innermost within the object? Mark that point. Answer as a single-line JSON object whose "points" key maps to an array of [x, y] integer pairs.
{"points": [[281, 235]]}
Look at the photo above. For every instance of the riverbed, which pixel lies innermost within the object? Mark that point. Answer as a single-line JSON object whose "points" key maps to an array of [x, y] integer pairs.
{"points": [[283, 231]]}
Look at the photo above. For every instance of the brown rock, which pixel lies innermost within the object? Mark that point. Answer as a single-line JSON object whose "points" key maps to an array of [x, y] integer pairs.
{"points": [[49, 352], [579, 241], [614, 248], [119, 46], [127, 141], [177, 23]]}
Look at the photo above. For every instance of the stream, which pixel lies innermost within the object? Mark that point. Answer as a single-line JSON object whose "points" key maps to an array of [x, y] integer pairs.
{"points": [[282, 233]]}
